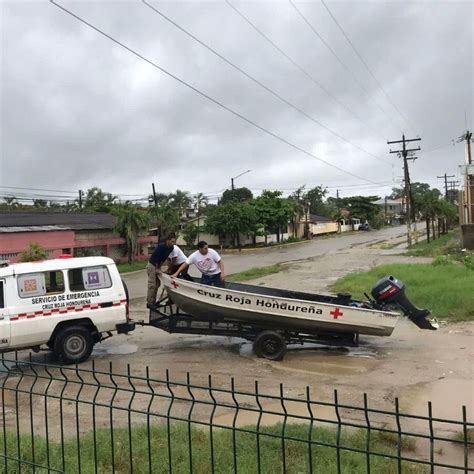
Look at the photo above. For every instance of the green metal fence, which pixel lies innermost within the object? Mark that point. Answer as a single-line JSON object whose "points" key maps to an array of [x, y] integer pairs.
{"points": [[82, 419]]}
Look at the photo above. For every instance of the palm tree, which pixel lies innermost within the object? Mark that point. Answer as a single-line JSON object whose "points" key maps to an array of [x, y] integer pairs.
{"points": [[200, 202], [180, 200], [166, 218], [11, 202], [131, 221]]}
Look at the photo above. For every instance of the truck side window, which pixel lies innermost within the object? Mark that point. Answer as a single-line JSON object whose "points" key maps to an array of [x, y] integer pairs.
{"points": [[54, 282], [40, 284], [2, 297], [89, 278], [31, 285]]}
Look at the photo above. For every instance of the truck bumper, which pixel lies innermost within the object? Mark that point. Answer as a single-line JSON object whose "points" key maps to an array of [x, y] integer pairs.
{"points": [[125, 328]]}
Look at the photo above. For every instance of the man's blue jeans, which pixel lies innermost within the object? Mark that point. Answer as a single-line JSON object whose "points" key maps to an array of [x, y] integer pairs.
{"points": [[212, 280]]}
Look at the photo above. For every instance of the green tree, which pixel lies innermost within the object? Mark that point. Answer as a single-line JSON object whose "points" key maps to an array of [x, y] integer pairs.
{"points": [[180, 200], [200, 202], [233, 218], [273, 213], [166, 218], [296, 202], [12, 202], [236, 195], [363, 207], [315, 197], [33, 253], [131, 222], [190, 232], [40, 203], [97, 200]]}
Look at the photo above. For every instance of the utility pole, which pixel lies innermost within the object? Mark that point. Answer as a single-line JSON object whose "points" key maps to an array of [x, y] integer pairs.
{"points": [[446, 183], [468, 180], [155, 200], [452, 190], [81, 193], [408, 195]]}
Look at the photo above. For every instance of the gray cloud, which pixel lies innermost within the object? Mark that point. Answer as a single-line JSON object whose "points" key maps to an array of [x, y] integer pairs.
{"points": [[79, 111]]}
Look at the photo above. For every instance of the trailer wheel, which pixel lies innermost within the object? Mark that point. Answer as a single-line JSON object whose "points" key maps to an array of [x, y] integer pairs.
{"points": [[73, 344], [270, 345]]}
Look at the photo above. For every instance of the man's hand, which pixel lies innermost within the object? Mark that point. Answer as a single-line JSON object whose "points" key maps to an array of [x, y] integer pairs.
{"points": [[222, 276], [174, 275], [158, 270]]}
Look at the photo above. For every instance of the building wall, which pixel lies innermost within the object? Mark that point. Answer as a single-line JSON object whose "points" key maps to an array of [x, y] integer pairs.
{"points": [[467, 232], [58, 242], [324, 228], [12, 244]]}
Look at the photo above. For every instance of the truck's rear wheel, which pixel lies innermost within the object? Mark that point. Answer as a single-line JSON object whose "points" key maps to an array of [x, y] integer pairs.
{"points": [[73, 344], [270, 345]]}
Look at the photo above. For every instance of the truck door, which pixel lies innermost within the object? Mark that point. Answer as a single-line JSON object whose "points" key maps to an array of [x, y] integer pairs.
{"points": [[4, 318]]}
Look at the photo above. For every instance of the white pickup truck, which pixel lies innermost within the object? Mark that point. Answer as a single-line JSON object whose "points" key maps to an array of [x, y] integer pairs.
{"points": [[67, 304]]}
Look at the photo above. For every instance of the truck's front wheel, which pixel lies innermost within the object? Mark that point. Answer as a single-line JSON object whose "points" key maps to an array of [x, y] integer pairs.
{"points": [[73, 344]]}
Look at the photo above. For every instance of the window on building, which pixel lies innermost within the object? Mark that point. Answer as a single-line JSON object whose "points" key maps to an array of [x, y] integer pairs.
{"points": [[2, 296], [89, 278], [39, 284]]}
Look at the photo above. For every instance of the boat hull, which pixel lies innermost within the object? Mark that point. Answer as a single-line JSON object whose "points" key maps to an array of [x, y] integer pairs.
{"points": [[277, 312]]}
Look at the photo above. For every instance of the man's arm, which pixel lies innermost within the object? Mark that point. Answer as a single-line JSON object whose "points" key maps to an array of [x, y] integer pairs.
{"points": [[171, 263], [180, 269], [221, 266]]}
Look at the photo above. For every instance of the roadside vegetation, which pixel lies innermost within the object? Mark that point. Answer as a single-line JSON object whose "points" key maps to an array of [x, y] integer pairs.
{"points": [[469, 436], [324, 459], [445, 244], [131, 267], [444, 287], [256, 272]]}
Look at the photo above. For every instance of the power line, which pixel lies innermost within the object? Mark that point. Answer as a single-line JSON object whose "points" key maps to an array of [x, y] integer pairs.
{"points": [[344, 65], [69, 193], [300, 68], [206, 96], [451, 143], [365, 64], [37, 189], [261, 84]]}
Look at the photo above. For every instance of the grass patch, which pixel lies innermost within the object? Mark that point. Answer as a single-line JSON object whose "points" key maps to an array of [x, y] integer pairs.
{"points": [[470, 437], [256, 272], [446, 290], [191, 446], [435, 247], [385, 244], [132, 267]]}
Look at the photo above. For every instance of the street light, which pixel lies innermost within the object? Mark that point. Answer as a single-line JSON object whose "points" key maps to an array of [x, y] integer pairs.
{"points": [[238, 176]]}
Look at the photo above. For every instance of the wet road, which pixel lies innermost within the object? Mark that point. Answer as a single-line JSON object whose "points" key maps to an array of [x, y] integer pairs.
{"points": [[240, 261]]}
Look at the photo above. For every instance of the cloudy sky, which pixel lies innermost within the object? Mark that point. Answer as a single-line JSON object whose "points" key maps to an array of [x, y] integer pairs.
{"points": [[301, 106]]}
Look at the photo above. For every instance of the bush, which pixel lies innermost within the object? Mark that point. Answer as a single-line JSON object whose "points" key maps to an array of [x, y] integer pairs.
{"points": [[441, 260], [292, 239], [469, 261], [33, 253]]}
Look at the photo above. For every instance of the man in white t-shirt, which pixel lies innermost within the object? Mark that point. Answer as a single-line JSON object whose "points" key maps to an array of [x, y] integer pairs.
{"points": [[208, 262], [176, 258]]}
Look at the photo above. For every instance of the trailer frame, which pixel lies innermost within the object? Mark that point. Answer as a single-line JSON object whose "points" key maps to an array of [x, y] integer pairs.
{"points": [[269, 341]]}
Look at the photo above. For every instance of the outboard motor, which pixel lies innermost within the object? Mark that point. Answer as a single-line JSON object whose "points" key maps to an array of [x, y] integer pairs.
{"points": [[390, 291]]}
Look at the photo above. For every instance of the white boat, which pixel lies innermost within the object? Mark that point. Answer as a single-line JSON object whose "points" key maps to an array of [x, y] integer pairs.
{"points": [[274, 307], [272, 317]]}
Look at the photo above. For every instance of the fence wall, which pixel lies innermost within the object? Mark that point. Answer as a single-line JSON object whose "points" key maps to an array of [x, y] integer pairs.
{"points": [[70, 419]]}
